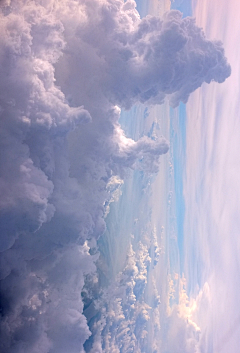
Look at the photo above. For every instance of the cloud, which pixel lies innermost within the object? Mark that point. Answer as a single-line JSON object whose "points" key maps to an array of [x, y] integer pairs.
{"points": [[66, 70], [124, 313], [149, 59], [180, 331]]}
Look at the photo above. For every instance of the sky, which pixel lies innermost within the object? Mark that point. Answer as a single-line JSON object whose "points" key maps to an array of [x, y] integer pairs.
{"points": [[211, 185], [114, 215]]}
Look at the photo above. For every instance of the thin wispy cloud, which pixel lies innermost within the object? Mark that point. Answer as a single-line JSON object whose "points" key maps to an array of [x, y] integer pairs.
{"points": [[212, 186]]}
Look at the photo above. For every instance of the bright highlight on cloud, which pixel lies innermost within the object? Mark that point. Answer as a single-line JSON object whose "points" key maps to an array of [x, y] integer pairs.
{"points": [[67, 68]]}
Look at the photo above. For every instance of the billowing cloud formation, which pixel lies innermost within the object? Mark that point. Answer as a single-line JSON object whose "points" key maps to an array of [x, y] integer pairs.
{"points": [[129, 318], [180, 331], [143, 60], [124, 314], [65, 67]]}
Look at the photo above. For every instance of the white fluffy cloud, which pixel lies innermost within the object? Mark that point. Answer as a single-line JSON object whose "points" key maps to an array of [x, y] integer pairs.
{"points": [[65, 67], [181, 332], [142, 60], [124, 313]]}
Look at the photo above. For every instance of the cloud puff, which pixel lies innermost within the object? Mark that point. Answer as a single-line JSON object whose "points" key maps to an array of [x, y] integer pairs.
{"points": [[124, 313], [66, 68], [149, 59], [180, 330]]}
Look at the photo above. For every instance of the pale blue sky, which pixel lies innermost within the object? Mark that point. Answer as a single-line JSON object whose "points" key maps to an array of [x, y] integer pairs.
{"points": [[211, 185]]}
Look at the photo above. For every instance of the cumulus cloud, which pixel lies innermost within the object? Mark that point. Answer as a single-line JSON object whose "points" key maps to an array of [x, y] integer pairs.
{"points": [[181, 331], [145, 60], [67, 68], [124, 312]]}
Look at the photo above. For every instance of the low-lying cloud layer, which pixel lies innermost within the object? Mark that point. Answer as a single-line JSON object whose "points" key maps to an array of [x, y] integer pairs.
{"points": [[66, 68], [124, 316]]}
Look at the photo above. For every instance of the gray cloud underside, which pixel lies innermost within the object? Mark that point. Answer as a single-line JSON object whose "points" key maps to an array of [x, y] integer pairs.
{"points": [[65, 67]]}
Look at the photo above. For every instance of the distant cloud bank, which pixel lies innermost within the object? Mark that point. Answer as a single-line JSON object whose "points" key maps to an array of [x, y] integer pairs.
{"points": [[66, 67]]}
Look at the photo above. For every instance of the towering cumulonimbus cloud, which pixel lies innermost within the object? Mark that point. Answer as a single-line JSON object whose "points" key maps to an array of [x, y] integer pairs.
{"points": [[66, 69]]}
